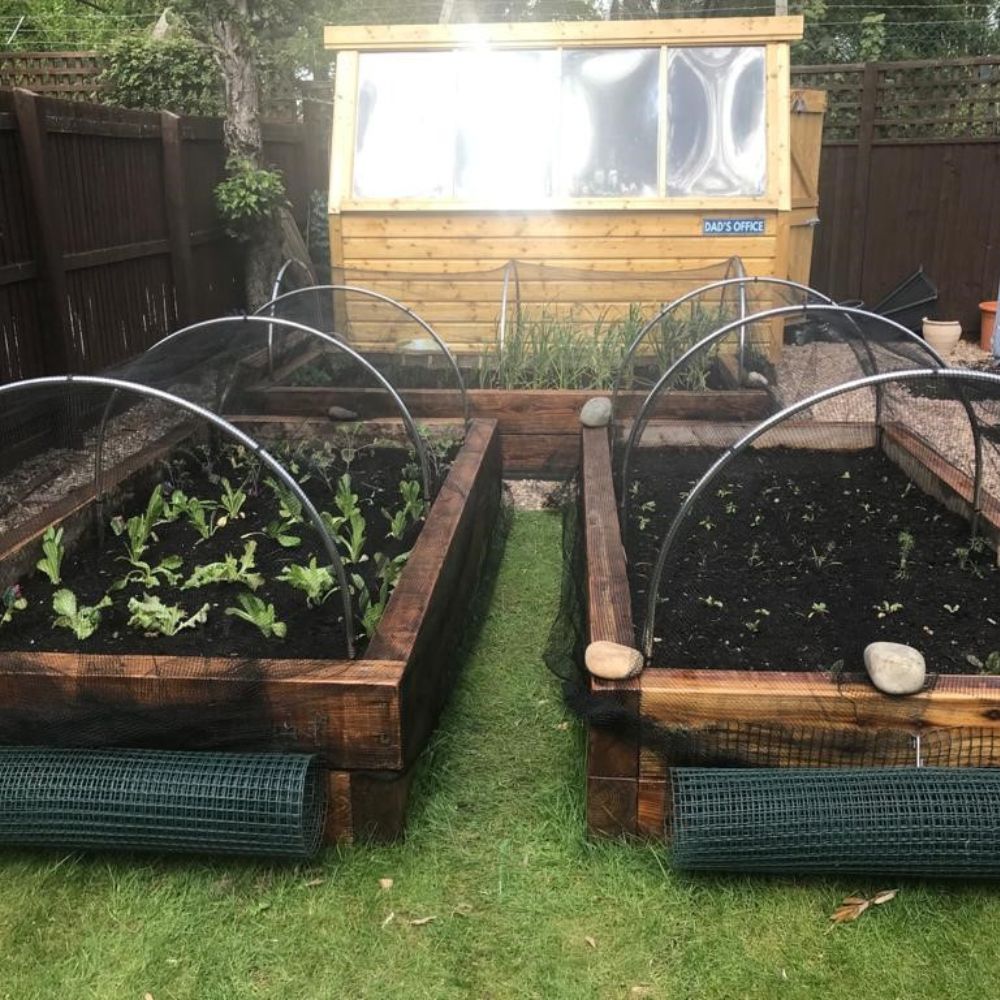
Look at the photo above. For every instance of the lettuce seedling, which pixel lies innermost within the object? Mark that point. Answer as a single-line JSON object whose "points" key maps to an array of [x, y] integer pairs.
{"points": [[51, 562], [83, 620], [230, 570], [156, 618], [252, 609], [314, 581]]}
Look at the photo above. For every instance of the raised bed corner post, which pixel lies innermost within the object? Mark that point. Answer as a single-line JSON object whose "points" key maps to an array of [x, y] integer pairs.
{"points": [[287, 325], [957, 375], [120, 385], [396, 304], [641, 418]]}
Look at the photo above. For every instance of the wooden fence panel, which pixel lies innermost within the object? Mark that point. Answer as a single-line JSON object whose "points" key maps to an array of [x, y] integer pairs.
{"points": [[109, 237]]}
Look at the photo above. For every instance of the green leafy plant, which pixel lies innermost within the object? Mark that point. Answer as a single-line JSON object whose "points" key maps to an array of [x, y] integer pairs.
{"points": [[906, 545], [51, 562], [371, 608], [154, 617], [887, 608], [289, 505], [149, 576], [139, 529], [992, 664], [824, 558], [397, 522], [231, 569], [413, 505], [968, 556], [281, 532], [255, 611], [200, 514], [316, 582], [232, 502], [12, 602], [83, 620], [712, 602], [951, 608], [248, 196], [818, 608]]}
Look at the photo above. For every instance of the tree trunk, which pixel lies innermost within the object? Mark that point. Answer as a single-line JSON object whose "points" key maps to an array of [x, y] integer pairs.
{"points": [[241, 130]]}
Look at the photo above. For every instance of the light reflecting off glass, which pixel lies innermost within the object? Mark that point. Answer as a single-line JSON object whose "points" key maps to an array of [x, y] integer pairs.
{"points": [[507, 102], [405, 142], [609, 123], [716, 135]]}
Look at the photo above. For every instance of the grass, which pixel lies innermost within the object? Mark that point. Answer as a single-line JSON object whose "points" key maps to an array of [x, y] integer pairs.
{"points": [[496, 854]]}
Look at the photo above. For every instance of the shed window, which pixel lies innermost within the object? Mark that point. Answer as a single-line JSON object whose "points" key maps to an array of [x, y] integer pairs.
{"points": [[521, 127]]}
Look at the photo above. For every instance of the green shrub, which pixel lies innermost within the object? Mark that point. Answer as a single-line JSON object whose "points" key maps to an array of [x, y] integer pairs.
{"points": [[248, 196], [175, 74]]}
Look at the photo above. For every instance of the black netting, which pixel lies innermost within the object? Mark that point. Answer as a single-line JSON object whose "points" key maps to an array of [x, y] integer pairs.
{"points": [[905, 821]]}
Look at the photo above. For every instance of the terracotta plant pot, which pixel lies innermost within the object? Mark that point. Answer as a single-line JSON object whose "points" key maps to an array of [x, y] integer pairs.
{"points": [[942, 334], [987, 320]]}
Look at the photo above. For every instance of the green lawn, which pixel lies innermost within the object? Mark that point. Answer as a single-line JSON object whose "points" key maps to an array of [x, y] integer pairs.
{"points": [[497, 856]]}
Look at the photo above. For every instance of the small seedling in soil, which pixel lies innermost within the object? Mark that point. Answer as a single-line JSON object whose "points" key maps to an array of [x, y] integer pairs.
{"points": [[232, 502], [314, 581], [397, 522], [824, 558], [149, 576], [51, 562], [253, 610], [966, 555], [951, 608], [388, 573], [280, 532], [289, 505], [906, 544], [414, 506], [992, 664], [886, 608], [154, 617], [755, 559], [12, 601], [758, 520], [230, 570], [707, 523], [818, 608], [199, 513], [82, 620], [711, 601]]}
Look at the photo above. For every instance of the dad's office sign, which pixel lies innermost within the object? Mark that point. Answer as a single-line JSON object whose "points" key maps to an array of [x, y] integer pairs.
{"points": [[733, 227]]}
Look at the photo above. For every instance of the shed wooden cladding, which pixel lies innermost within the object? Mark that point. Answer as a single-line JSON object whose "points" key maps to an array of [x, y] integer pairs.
{"points": [[766, 716], [633, 239]]}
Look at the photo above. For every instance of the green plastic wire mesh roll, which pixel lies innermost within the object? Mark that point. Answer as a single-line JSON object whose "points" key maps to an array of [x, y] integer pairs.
{"points": [[890, 820], [271, 805]]}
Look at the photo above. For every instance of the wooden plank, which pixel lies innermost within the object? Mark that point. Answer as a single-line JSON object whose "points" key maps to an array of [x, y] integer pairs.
{"points": [[628, 33], [345, 100], [540, 456], [46, 202], [523, 224], [346, 711], [178, 223], [11, 274], [521, 411], [676, 203], [759, 265], [611, 806], [378, 805], [862, 179], [115, 255], [339, 826], [654, 807], [502, 248]]}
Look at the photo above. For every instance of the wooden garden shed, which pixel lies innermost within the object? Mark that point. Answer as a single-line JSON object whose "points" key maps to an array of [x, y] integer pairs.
{"points": [[603, 157]]}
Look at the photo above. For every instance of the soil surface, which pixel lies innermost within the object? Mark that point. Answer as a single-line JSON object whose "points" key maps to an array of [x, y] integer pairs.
{"points": [[794, 560], [90, 571]]}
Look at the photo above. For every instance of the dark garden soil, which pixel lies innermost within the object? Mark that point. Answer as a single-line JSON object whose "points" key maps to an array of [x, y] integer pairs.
{"points": [[311, 632], [795, 561]]}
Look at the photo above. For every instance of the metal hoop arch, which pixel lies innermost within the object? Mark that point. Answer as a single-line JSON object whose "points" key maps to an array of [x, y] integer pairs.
{"points": [[509, 271], [670, 307], [959, 375], [396, 304], [276, 293], [287, 325], [121, 385], [641, 418]]}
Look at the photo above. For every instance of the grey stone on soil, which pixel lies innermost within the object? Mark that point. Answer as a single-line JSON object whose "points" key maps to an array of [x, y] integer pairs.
{"points": [[895, 668], [596, 412], [341, 413], [755, 380]]}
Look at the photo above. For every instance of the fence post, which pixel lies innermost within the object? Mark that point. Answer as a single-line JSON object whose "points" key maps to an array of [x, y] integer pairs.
{"points": [[178, 224], [862, 176], [46, 202]]}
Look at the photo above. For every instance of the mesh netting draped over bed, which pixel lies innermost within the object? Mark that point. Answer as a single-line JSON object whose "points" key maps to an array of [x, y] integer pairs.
{"points": [[906, 821], [269, 805]]}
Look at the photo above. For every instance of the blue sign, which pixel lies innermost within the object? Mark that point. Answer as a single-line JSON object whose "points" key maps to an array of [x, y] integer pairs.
{"points": [[732, 227]]}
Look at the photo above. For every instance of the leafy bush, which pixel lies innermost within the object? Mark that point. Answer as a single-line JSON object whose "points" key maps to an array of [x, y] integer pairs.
{"points": [[175, 74], [248, 196]]}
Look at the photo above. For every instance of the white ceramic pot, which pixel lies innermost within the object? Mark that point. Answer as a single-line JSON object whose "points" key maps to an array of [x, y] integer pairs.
{"points": [[942, 334]]}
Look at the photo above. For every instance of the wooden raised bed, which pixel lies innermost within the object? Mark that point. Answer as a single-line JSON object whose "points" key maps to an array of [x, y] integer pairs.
{"points": [[539, 428], [628, 786], [368, 718]]}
